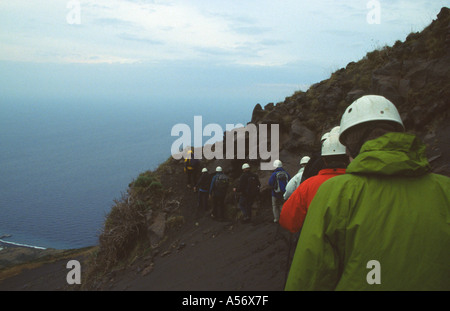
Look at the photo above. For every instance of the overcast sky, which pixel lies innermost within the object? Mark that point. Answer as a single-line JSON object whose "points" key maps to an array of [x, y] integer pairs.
{"points": [[258, 50]]}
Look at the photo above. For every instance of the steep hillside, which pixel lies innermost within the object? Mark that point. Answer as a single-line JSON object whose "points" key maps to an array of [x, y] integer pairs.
{"points": [[414, 75]]}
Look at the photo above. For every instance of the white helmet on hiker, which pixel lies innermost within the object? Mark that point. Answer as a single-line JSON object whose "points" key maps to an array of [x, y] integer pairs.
{"points": [[277, 163], [205, 170], [304, 160], [245, 165], [325, 136], [332, 146], [335, 130], [366, 109], [218, 169]]}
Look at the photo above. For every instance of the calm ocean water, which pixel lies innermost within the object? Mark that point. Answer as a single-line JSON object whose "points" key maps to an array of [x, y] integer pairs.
{"points": [[63, 164]]}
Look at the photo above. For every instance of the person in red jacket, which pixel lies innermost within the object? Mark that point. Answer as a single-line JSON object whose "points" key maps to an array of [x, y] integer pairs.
{"points": [[294, 209]]}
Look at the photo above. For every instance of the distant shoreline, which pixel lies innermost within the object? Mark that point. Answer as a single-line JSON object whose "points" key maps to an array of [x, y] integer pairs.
{"points": [[15, 254], [7, 244], [12, 255]]}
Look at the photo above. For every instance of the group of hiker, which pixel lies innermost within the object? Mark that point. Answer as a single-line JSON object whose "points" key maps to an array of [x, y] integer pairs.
{"points": [[215, 187], [367, 197]]}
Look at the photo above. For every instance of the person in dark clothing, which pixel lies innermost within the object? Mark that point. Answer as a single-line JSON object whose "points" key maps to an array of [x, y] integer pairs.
{"points": [[248, 189], [313, 167], [218, 191], [190, 168], [202, 187]]}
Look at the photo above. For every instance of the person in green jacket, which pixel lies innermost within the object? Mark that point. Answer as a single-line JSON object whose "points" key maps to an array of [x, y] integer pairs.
{"points": [[385, 224]]}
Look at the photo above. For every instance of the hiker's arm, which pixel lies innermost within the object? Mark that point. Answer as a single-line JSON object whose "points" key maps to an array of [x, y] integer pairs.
{"points": [[211, 186], [290, 188], [241, 184], [271, 180], [199, 181]]}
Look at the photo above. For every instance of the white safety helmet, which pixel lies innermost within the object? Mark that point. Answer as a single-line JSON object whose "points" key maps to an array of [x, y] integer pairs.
{"points": [[204, 170], [277, 163], [245, 165], [218, 169], [368, 108], [304, 160], [325, 136], [335, 130], [332, 146]]}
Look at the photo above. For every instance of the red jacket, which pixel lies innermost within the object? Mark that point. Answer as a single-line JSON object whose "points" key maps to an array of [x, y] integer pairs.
{"points": [[294, 209]]}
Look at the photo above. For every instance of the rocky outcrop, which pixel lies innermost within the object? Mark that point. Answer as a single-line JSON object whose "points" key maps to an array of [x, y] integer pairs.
{"points": [[414, 75]]}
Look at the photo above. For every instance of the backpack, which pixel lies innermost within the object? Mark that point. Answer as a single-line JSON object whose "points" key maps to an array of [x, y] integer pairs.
{"points": [[253, 185], [281, 180], [221, 184]]}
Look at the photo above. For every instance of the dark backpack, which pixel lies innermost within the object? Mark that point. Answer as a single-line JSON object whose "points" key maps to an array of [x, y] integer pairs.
{"points": [[281, 180], [253, 185], [191, 163], [221, 184]]}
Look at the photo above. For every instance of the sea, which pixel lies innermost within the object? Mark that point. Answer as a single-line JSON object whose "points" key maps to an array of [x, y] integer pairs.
{"points": [[62, 164]]}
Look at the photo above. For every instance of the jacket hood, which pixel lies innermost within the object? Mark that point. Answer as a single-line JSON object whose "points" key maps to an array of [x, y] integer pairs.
{"points": [[391, 154]]}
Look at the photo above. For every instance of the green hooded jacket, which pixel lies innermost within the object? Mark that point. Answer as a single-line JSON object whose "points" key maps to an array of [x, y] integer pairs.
{"points": [[384, 225]]}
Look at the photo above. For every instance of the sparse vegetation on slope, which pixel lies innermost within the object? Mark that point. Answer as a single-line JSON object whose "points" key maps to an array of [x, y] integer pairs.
{"points": [[125, 230]]}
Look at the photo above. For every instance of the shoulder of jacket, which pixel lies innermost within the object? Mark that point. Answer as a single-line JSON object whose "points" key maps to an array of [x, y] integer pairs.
{"points": [[344, 181], [439, 177]]}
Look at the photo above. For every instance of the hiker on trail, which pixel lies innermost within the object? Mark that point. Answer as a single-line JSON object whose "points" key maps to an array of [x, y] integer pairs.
{"points": [[248, 189], [315, 164], [278, 181], [190, 168], [218, 190], [202, 187], [294, 209], [295, 181], [383, 225]]}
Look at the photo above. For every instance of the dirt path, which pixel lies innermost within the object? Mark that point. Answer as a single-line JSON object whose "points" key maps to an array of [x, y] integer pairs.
{"points": [[215, 256]]}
